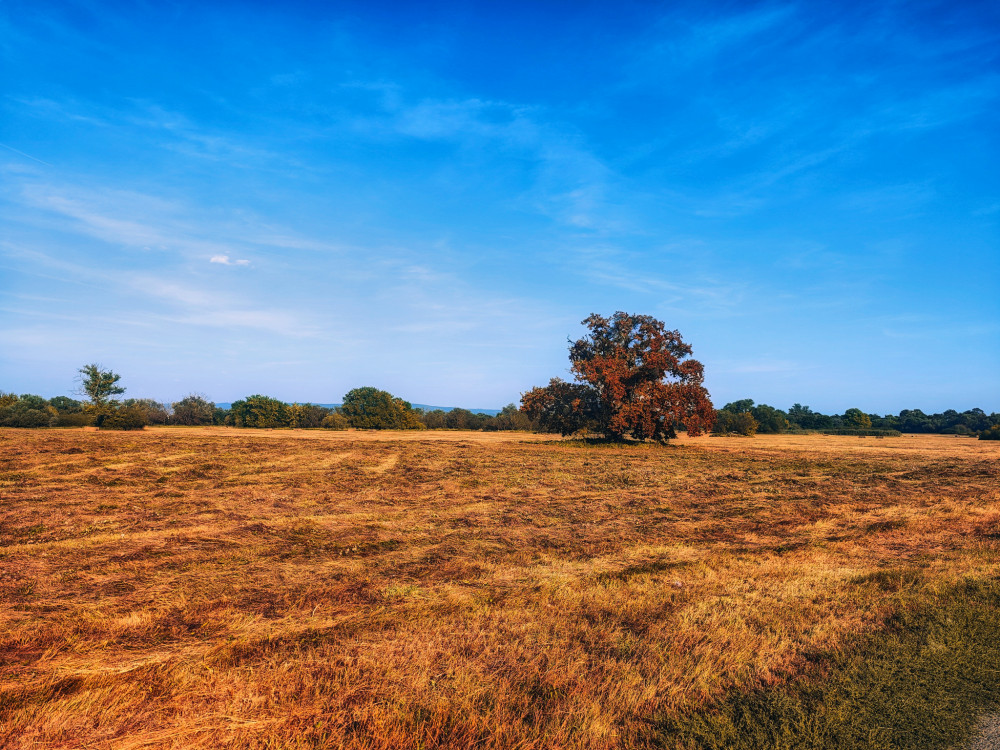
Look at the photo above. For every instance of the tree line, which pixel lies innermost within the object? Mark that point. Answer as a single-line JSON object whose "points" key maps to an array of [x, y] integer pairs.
{"points": [[744, 417], [635, 381], [363, 408]]}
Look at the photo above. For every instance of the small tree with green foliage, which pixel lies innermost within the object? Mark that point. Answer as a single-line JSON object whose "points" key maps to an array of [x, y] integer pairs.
{"points": [[509, 418], [369, 408], [307, 415], [70, 412], [770, 419], [153, 411], [261, 412], [434, 419], [192, 410], [26, 410], [855, 419], [100, 387], [732, 423], [562, 407], [127, 416], [807, 419], [335, 421]]}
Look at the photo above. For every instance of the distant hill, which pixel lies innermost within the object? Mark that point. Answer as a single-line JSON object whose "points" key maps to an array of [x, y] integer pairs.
{"points": [[425, 407]]}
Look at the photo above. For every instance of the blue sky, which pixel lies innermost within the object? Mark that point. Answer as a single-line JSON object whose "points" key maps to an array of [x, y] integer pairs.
{"points": [[233, 198]]}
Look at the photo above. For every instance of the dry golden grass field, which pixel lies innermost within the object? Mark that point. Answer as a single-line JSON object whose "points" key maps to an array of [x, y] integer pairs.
{"points": [[223, 588]]}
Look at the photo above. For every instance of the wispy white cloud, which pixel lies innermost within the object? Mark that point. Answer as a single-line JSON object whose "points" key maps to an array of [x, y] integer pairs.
{"points": [[226, 261], [570, 183]]}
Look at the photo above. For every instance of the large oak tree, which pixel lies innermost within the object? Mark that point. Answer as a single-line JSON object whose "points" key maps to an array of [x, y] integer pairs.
{"points": [[637, 378]]}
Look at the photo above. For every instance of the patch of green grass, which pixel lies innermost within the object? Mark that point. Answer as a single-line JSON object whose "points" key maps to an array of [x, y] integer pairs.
{"points": [[921, 683]]}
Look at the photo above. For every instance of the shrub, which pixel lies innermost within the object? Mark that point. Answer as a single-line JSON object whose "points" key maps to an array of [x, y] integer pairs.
{"points": [[856, 419], [261, 411], [66, 405], [308, 415], [373, 409], [991, 433], [73, 419], [335, 421], [154, 411], [562, 407], [434, 420], [70, 412], [509, 418], [25, 411], [738, 423], [864, 433], [125, 417], [192, 410]]}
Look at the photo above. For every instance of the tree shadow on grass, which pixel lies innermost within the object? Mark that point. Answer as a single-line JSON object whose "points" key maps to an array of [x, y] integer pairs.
{"points": [[923, 683]]}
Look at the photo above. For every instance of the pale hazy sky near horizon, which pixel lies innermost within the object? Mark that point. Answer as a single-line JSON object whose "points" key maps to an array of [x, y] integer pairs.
{"points": [[298, 199]]}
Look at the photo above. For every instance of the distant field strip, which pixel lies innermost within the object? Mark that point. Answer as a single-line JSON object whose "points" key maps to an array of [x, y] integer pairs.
{"points": [[207, 588]]}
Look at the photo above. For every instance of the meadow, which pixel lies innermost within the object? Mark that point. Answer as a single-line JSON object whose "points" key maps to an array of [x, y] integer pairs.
{"points": [[225, 588]]}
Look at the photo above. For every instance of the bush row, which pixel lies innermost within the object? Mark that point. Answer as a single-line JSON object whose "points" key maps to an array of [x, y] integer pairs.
{"points": [[363, 408], [864, 433]]}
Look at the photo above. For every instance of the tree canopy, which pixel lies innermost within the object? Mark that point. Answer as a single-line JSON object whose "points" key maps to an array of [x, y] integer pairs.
{"points": [[27, 410], [100, 385], [635, 380], [193, 410], [369, 408], [260, 411], [562, 407]]}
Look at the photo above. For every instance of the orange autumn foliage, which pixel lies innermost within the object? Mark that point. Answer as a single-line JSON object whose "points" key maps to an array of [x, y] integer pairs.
{"points": [[639, 379], [645, 382]]}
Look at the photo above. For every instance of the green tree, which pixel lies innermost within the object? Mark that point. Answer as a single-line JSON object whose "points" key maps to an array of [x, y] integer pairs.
{"points": [[66, 405], [70, 412], [434, 419], [562, 407], [369, 408], [261, 412], [769, 419], [100, 387], [132, 415], [153, 411], [27, 410], [855, 419], [309, 415], [335, 421], [807, 419], [459, 419], [738, 407], [509, 418], [192, 410], [730, 422]]}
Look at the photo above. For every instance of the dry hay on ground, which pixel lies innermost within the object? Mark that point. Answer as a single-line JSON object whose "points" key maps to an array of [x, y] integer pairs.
{"points": [[234, 588]]}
